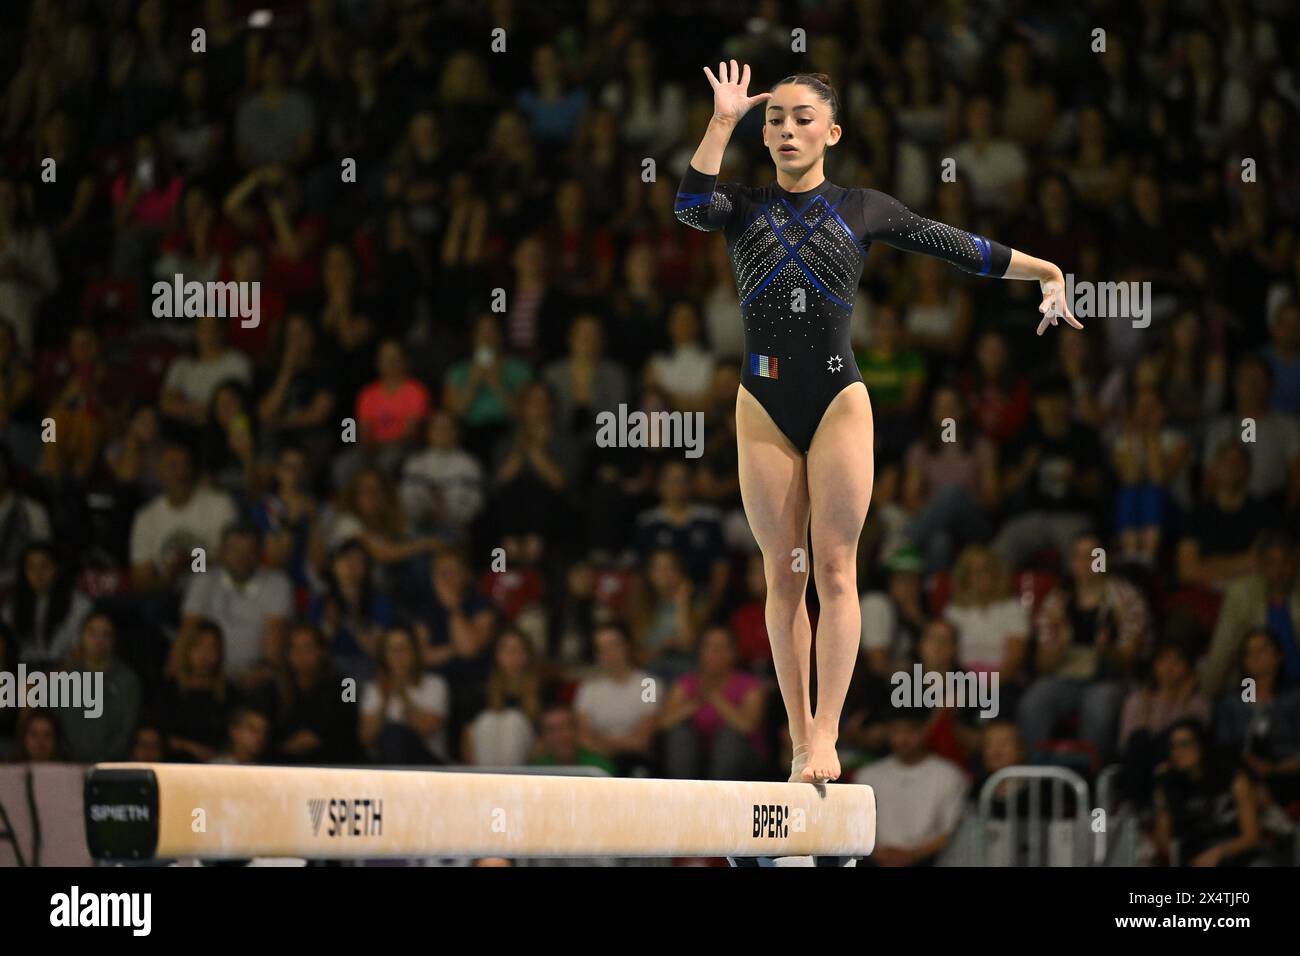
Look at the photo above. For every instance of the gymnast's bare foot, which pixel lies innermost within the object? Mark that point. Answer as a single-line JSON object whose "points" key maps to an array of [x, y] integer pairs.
{"points": [[823, 762]]}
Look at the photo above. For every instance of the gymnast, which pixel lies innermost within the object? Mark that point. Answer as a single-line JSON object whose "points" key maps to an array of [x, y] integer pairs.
{"points": [[803, 418]]}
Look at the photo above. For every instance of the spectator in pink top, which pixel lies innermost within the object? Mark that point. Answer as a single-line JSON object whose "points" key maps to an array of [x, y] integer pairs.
{"points": [[145, 195], [391, 410], [713, 721]]}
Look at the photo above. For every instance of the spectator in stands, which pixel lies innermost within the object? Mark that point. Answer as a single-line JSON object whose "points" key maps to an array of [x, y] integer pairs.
{"points": [[95, 737], [370, 510], [47, 610], [584, 382], [352, 612], [145, 196], [1148, 457], [442, 486], [895, 377], [685, 371], [749, 619], [28, 270], [38, 738], [558, 744], [1150, 710], [667, 612], [191, 383], [250, 603], [19, 416], [22, 522], [482, 391], [79, 411], [286, 516], [229, 444], [1274, 435], [248, 734], [996, 392], [937, 315], [1283, 355], [919, 797], [712, 721], [1055, 479], [1194, 374], [314, 724], [295, 406], [691, 530], [1261, 724], [277, 124], [502, 733], [135, 458], [996, 166], [892, 620], [148, 745], [404, 709], [1206, 815], [195, 701], [950, 480], [1267, 597], [391, 411], [992, 626], [1090, 631], [1216, 548], [616, 716]]}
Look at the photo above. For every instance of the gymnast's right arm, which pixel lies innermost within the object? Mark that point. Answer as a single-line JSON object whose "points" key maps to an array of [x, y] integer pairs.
{"points": [[698, 203]]}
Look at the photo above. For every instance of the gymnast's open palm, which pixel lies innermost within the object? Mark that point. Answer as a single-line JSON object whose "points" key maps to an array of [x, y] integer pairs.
{"points": [[731, 99]]}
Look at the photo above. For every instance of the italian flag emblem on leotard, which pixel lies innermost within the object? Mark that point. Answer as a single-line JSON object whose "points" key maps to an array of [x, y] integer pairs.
{"points": [[764, 366]]}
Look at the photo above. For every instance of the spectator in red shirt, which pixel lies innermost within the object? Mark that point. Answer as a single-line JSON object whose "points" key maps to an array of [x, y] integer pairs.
{"points": [[391, 410]]}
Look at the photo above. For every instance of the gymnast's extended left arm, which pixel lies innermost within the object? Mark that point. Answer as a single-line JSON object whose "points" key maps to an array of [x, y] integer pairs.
{"points": [[887, 220]]}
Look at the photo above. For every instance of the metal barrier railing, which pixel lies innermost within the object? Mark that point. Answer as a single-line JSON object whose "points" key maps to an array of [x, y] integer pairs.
{"points": [[1061, 778]]}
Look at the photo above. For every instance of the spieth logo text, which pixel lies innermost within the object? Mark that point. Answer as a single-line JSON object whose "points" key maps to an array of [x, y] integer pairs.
{"points": [[345, 817]]}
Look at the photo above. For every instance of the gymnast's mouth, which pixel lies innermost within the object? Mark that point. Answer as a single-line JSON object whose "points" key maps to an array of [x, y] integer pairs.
{"points": [[789, 149]]}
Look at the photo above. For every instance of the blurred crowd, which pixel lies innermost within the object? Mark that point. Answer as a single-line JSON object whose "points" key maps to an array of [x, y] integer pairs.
{"points": [[378, 527]]}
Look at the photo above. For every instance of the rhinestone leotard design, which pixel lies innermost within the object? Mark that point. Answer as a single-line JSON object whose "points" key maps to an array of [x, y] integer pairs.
{"points": [[797, 259]]}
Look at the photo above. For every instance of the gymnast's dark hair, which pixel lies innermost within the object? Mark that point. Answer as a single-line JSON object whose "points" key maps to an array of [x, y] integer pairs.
{"points": [[821, 85]]}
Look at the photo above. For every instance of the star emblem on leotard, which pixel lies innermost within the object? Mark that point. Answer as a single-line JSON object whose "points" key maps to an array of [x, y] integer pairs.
{"points": [[834, 363]]}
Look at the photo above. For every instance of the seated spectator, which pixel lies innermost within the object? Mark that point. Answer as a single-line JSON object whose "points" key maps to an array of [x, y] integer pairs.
{"points": [[1206, 815], [455, 627], [249, 732], [712, 721], [145, 195], [685, 371], [950, 481], [892, 620], [148, 745], [502, 734], [666, 617], [558, 744], [20, 416], [482, 391], [106, 735], [167, 529], [1054, 482], [79, 411], [585, 383], [692, 531], [404, 709], [134, 458], [1261, 724], [38, 739], [295, 406], [1274, 447], [30, 272], [22, 522], [47, 609], [1283, 355], [992, 626], [748, 620], [919, 797], [190, 383], [370, 510], [995, 392], [352, 612], [1147, 456], [277, 123], [442, 486], [1149, 712], [1216, 548], [229, 442], [1267, 597], [1090, 630], [194, 703], [314, 725], [1193, 374], [937, 317], [251, 604], [895, 377], [533, 478], [391, 411], [953, 732], [615, 718], [286, 516]]}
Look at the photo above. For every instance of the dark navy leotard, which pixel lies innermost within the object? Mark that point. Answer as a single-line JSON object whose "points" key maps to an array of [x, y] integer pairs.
{"points": [[816, 241]]}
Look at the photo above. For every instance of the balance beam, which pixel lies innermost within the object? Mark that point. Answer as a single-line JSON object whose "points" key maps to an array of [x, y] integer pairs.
{"points": [[182, 811]]}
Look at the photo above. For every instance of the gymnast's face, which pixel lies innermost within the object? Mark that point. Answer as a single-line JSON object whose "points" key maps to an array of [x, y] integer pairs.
{"points": [[797, 127]]}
